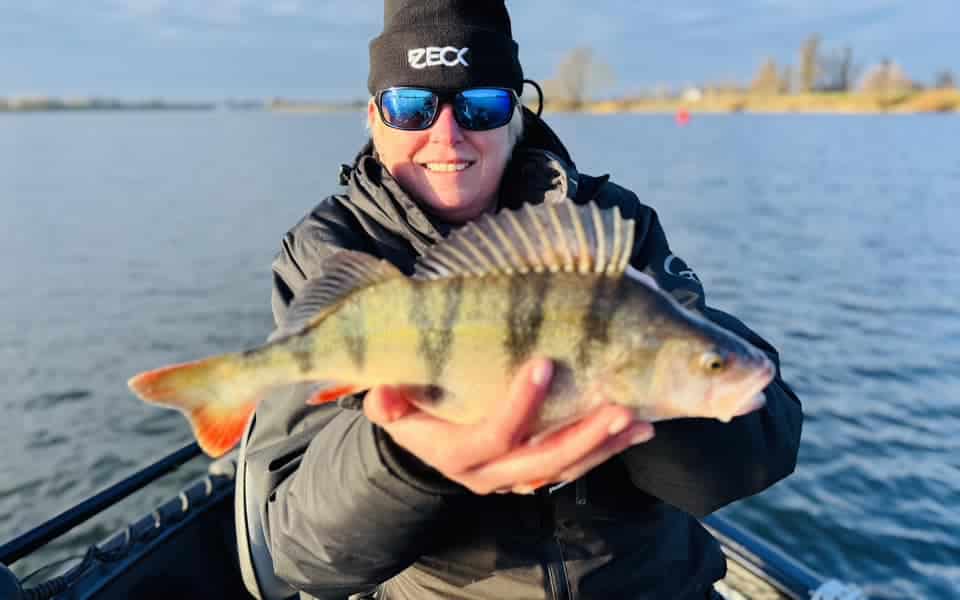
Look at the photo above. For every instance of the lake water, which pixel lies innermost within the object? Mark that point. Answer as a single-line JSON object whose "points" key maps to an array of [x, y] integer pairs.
{"points": [[128, 241]]}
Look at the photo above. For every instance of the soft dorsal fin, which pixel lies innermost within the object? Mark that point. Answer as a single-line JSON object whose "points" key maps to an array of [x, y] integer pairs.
{"points": [[553, 236], [344, 273]]}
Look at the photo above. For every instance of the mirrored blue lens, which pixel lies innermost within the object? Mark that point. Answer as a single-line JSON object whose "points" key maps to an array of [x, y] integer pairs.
{"points": [[479, 109], [408, 108], [476, 109]]}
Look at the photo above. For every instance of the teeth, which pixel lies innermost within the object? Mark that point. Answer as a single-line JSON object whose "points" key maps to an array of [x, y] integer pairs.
{"points": [[446, 167]]}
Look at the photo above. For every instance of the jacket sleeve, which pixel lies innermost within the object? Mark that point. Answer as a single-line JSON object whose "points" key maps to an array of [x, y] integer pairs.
{"points": [[347, 508], [700, 465], [344, 520]]}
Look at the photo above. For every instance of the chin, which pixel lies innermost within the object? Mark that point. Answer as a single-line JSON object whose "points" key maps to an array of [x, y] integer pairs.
{"points": [[455, 207]]}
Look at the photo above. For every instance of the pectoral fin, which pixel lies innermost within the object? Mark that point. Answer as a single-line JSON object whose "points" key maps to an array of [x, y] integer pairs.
{"points": [[332, 394]]}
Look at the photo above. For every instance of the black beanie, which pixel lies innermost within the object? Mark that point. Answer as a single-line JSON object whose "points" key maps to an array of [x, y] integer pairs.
{"points": [[445, 45]]}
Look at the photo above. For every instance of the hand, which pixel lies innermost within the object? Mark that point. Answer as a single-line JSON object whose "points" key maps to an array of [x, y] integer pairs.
{"points": [[497, 455]]}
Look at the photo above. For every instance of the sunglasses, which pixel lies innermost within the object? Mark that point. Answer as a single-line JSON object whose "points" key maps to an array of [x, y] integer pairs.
{"points": [[475, 109]]}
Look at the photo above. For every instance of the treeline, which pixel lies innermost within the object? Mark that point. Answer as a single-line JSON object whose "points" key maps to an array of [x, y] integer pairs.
{"points": [[59, 104], [581, 76], [836, 70]]}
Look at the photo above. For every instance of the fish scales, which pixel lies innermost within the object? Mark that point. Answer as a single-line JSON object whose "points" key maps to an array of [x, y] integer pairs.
{"points": [[435, 311], [503, 322], [547, 280], [467, 335]]}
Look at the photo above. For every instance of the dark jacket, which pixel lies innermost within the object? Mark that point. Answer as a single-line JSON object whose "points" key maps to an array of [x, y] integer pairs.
{"points": [[346, 508]]}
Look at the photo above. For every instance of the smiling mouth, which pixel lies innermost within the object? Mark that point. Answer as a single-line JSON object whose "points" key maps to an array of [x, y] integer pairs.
{"points": [[446, 167]]}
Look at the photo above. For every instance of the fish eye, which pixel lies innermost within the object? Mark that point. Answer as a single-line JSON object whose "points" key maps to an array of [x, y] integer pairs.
{"points": [[711, 362]]}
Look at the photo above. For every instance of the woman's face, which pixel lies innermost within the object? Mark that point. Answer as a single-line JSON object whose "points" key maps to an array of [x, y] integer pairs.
{"points": [[452, 172]]}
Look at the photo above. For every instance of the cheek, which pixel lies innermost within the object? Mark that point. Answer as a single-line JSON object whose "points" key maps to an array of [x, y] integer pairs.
{"points": [[495, 149], [397, 149]]}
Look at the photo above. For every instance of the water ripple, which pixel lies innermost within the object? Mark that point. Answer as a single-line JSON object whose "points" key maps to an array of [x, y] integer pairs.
{"points": [[838, 250], [53, 399]]}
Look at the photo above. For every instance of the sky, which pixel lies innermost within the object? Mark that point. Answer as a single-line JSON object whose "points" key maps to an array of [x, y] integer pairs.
{"points": [[317, 49]]}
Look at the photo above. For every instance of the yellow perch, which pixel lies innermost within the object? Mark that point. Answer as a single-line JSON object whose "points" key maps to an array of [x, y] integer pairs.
{"points": [[548, 280]]}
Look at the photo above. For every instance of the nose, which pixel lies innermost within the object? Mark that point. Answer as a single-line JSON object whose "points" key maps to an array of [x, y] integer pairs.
{"points": [[446, 130]]}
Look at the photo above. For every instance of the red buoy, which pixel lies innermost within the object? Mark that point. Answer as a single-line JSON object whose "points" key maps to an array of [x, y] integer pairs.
{"points": [[682, 116]]}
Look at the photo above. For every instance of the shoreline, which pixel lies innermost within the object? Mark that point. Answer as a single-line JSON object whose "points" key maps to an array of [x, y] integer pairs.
{"points": [[911, 102], [921, 102], [916, 102]]}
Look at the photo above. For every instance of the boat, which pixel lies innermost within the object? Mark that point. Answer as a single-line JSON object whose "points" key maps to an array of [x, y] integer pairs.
{"points": [[187, 548]]}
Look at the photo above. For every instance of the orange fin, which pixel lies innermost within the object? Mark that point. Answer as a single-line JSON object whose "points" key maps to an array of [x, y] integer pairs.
{"points": [[331, 394], [218, 431], [167, 384], [212, 394]]}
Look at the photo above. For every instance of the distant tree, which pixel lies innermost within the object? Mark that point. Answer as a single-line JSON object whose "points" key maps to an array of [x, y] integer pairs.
{"points": [[723, 87], [837, 71], [767, 79], [809, 64], [786, 80], [580, 75], [945, 80], [662, 91], [885, 78]]}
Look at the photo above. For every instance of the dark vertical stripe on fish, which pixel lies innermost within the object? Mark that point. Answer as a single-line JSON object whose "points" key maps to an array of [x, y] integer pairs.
{"points": [[596, 323], [525, 315], [300, 349], [353, 332], [436, 331]]}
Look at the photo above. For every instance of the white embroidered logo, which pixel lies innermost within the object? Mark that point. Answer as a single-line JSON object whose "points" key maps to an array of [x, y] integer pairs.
{"points": [[434, 56], [686, 273]]}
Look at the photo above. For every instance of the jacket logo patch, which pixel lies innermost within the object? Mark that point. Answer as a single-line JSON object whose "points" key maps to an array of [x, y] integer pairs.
{"points": [[676, 267], [435, 56]]}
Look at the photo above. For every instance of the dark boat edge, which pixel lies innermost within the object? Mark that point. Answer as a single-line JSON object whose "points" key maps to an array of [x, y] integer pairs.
{"points": [[142, 561]]}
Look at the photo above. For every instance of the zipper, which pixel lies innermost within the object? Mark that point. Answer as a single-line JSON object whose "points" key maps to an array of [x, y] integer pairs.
{"points": [[556, 568], [558, 574], [582, 491]]}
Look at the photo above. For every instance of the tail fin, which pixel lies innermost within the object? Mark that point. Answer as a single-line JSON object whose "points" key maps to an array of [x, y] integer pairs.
{"points": [[214, 399]]}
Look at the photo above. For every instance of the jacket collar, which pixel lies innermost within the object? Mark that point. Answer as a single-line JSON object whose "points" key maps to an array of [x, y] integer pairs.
{"points": [[540, 167]]}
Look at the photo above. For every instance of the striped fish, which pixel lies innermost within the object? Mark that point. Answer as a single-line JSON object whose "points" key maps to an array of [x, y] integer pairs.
{"points": [[550, 280]]}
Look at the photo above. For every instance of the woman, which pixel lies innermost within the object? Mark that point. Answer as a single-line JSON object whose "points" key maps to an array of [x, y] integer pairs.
{"points": [[335, 500]]}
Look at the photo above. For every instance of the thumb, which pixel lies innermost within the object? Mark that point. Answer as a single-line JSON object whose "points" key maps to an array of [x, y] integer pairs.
{"points": [[385, 404]]}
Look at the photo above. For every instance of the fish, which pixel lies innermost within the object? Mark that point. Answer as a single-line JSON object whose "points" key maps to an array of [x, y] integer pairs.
{"points": [[549, 280]]}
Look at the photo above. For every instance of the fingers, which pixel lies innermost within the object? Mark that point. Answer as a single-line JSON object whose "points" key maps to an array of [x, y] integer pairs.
{"points": [[510, 421], [455, 449], [636, 434], [496, 455], [593, 439], [508, 425]]}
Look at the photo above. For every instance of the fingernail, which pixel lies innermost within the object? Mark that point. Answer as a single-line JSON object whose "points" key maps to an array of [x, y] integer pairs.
{"points": [[523, 489], [618, 425], [643, 435], [536, 440], [542, 372]]}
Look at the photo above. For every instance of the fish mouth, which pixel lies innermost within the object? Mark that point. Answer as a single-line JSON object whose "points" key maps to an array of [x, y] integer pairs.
{"points": [[747, 396]]}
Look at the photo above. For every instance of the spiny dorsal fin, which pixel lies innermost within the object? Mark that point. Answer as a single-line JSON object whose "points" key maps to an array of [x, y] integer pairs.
{"points": [[344, 273], [553, 236]]}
